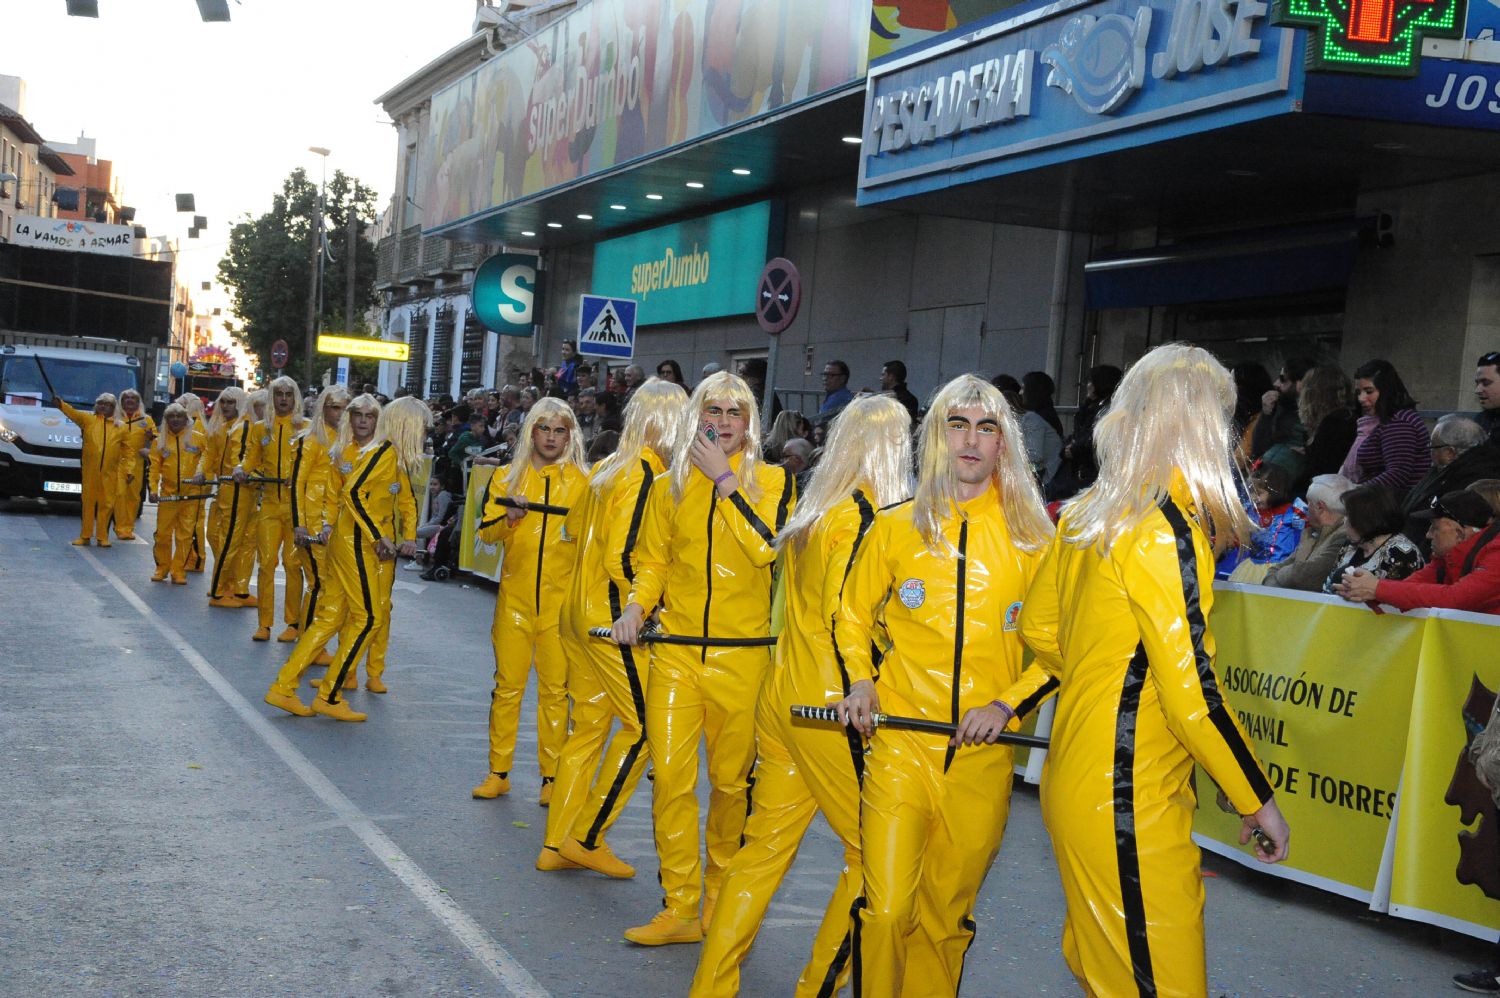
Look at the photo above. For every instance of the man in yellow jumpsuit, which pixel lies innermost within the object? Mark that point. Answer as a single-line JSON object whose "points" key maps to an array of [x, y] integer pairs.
{"points": [[224, 456], [1119, 615], [197, 555], [705, 556], [103, 440], [139, 432], [803, 769], [271, 456], [535, 570], [174, 462], [948, 572], [607, 681], [311, 475]]}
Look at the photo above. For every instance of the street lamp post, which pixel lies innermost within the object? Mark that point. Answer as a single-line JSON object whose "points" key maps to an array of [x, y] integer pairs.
{"points": [[315, 301]]}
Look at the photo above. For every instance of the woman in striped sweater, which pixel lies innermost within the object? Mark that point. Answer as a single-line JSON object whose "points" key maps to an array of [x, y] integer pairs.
{"points": [[1396, 453]]}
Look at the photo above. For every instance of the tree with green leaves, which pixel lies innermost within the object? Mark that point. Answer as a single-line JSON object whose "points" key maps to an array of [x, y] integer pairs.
{"points": [[266, 268]]}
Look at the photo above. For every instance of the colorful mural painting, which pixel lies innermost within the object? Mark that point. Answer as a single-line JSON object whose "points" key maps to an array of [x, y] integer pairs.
{"points": [[617, 80], [895, 24]]}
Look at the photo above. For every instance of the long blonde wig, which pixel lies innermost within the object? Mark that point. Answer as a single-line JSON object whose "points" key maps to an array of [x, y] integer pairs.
{"points": [[165, 435], [317, 426], [545, 408], [110, 398], [345, 438], [140, 407], [1171, 414], [241, 401], [936, 498], [721, 387], [260, 405], [284, 382], [404, 423], [653, 418], [869, 446], [193, 404]]}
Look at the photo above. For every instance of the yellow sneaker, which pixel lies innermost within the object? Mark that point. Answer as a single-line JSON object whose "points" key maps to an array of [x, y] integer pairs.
{"points": [[160, 575], [226, 602], [289, 635], [549, 860], [546, 796], [340, 711], [289, 704], [179, 580], [374, 685], [104, 544], [493, 786], [665, 929], [599, 859], [81, 542], [247, 599], [323, 658], [261, 634]]}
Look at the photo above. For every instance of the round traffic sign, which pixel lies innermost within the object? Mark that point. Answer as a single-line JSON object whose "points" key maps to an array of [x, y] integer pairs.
{"points": [[777, 295], [279, 354]]}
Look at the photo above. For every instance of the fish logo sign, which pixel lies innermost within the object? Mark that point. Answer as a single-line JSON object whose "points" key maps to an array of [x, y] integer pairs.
{"points": [[1100, 61]]}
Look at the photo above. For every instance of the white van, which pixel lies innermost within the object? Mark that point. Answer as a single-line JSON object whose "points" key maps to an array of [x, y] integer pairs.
{"points": [[39, 446]]}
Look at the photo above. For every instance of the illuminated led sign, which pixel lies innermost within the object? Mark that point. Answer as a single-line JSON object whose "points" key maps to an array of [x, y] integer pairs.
{"points": [[1382, 37], [354, 346]]}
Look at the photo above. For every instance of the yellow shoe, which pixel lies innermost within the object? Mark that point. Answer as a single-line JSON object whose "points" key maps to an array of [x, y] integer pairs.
{"points": [[708, 911], [351, 681], [124, 537], [493, 786], [197, 571], [289, 704], [323, 658], [179, 580], [289, 635], [546, 797], [340, 711], [374, 685], [665, 929], [226, 602], [81, 542], [261, 634], [599, 859], [160, 575], [549, 860], [104, 544], [315, 680], [247, 599]]}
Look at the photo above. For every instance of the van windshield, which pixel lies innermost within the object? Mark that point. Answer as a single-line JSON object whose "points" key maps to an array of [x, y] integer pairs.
{"points": [[79, 382]]}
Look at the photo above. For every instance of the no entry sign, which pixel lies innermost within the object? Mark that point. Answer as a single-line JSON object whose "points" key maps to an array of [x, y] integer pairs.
{"points": [[278, 354], [777, 295]]}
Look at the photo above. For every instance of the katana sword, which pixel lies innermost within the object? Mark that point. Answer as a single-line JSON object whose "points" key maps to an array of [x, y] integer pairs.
{"points": [[914, 724], [658, 638], [186, 498], [536, 507], [251, 480]]}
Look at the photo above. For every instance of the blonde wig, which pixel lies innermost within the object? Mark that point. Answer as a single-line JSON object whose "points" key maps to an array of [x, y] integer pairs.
{"points": [[721, 387], [1172, 414], [165, 435], [131, 393], [404, 423], [653, 418], [936, 496], [241, 401], [869, 447], [193, 404], [284, 382], [110, 398], [345, 438], [317, 426], [547, 408]]}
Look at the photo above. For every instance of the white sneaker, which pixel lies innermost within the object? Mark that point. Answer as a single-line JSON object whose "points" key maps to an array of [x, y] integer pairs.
{"points": [[413, 566]]}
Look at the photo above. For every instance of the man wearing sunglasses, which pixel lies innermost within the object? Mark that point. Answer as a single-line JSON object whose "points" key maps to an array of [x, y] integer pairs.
{"points": [[1464, 573]]}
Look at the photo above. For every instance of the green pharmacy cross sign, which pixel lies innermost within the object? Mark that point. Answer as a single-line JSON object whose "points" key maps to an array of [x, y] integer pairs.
{"points": [[1381, 37]]}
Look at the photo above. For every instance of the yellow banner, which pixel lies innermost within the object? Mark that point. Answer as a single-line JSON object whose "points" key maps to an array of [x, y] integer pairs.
{"points": [[1323, 689], [1447, 866], [473, 554]]}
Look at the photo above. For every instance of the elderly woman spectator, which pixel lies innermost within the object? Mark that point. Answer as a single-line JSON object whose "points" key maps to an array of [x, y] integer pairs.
{"points": [[1372, 524], [1461, 455], [1395, 453], [1325, 404], [1322, 540]]}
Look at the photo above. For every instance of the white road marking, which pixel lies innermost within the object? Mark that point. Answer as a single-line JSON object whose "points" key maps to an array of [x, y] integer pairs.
{"points": [[505, 968]]}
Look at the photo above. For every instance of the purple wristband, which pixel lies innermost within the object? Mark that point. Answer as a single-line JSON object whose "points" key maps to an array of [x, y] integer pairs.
{"points": [[1005, 709], [727, 474]]}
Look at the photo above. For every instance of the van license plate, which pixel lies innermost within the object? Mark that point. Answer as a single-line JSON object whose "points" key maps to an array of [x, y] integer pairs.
{"points": [[70, 487]]}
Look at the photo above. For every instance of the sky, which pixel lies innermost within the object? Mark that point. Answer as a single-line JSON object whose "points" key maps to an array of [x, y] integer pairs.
{"points": [[223, 110]]}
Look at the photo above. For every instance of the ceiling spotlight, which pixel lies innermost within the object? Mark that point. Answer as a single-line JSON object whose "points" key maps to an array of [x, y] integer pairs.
{"points": [[695, 185], [740, 171], [554, 225], [617, 207], [527, 232], [585, 218], [653, 197], [853, 140]]}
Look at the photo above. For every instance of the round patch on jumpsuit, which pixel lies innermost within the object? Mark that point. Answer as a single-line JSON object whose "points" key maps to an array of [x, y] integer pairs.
{"points": [[265, 441], [1013, 616], [346, 467], [191, 449], [395, 488], [912, 594]]}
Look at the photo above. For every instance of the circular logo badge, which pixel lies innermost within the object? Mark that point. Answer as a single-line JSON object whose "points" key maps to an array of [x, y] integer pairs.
{"points": [[346, 467], [912, 594], [395, 488]]}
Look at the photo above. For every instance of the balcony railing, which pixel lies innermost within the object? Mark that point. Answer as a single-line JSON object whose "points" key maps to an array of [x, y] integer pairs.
{"points": [[411, 258]]}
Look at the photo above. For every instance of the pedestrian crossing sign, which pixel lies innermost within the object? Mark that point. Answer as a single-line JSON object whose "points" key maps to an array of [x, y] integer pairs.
{"points": [[606, 327]]}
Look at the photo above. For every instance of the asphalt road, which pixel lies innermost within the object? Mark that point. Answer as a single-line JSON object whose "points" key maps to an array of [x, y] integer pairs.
{"points": [[166, 833]]}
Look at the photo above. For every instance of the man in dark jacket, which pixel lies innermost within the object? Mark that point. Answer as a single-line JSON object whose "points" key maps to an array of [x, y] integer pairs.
{"points": [[893, 380], [1487, 390], [1461, 455]]}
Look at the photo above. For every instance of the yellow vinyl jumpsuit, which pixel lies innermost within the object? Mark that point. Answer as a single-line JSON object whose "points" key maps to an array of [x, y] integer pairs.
{"points": [[198, 555], [607, 681], [139, 429], [364, 491], [229, 520], [103, 442], [1139, 701], [309, 488], [176, 521], [799, 769], [271, 456], [535, 569], [707, 560], [932, 816]]}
